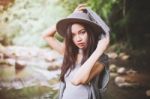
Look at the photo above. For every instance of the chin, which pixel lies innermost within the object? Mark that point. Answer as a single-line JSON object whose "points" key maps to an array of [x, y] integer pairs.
{"points": [[81, 47]]}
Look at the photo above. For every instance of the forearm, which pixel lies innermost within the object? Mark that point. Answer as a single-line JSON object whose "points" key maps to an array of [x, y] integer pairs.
{"points": [[49, 32], [83, 72], [48, 35]]}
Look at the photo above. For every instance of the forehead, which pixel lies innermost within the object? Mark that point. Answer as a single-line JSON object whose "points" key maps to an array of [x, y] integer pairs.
{"points": [[76, 27]]}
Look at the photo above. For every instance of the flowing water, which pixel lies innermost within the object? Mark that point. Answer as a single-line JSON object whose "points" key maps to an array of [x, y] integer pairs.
{"points": [[30, 77]]}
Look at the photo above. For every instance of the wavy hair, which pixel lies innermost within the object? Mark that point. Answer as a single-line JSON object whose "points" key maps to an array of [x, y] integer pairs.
{"points": [[71, 50]]}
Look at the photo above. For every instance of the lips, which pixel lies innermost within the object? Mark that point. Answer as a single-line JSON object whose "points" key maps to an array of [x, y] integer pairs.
{"points": [[80, 44]]}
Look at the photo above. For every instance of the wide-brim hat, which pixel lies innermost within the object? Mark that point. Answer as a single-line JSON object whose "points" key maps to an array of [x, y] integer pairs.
{"points": [[77, 17]]}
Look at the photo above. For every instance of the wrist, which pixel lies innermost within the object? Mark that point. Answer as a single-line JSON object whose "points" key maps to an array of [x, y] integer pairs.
{"points": [[98, 52]]}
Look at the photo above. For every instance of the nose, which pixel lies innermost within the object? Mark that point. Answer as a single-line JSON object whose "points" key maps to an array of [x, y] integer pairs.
{"points": [[78, 38]]}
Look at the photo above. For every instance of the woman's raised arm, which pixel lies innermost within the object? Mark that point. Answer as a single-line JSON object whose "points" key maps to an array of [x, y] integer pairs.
{"points": [[48, 35]]}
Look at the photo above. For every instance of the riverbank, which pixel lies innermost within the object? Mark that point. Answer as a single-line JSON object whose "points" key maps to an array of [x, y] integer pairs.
{"points": [[31, 72]]}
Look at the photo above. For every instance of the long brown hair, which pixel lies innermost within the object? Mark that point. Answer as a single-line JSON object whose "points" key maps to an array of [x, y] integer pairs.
{"points": [[71, 51]]}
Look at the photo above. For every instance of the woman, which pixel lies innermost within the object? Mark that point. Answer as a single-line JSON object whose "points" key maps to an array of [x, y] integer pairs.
{"points": [[82, 48]]}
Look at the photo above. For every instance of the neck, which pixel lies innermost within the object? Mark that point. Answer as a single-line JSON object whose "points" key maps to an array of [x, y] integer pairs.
{"points": [[80, 56], [80, 51]]}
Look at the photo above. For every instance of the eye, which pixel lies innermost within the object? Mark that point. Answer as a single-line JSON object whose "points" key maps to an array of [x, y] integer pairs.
{"points": [[83, 32]]}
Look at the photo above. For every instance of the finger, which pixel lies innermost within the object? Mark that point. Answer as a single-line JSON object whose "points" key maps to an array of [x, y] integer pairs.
{"points": [[81, 5], [82, 8]]}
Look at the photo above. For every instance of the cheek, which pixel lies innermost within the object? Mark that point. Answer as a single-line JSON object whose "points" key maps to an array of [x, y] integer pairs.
{"points": [[86, 38]]}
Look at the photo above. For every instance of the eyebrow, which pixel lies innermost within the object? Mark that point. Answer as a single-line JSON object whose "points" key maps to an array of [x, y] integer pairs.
{"points": [[79, 30]]}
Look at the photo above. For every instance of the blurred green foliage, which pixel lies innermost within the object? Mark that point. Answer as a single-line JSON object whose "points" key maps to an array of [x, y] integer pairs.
{"points": [[102, 7], [23, 22]]}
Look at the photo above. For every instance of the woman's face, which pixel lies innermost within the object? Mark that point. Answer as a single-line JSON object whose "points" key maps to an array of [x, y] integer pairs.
{"points": [[79, 35]]}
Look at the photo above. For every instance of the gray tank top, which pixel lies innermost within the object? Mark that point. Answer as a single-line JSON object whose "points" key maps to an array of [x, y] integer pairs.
{"points": [[75, 92]]}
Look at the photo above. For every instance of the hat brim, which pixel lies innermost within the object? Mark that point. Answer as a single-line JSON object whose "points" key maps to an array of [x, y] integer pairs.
{"points": [[62, 25]]}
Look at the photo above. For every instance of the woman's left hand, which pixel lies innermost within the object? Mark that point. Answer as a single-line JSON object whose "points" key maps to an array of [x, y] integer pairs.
{"points": [[102, 44], [80, 8]]}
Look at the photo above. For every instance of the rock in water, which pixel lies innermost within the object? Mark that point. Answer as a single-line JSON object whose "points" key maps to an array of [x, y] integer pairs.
{"points": [[119, 80], [121, 70], [112, 55], [113, 68]]}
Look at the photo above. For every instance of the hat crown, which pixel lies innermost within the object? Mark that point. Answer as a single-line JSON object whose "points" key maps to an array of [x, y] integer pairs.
{"points": [[80, 15]]}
